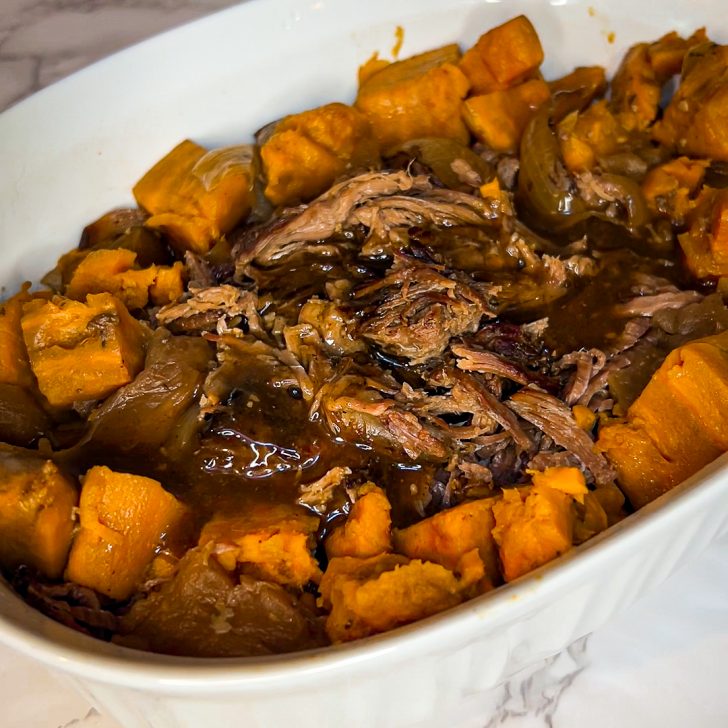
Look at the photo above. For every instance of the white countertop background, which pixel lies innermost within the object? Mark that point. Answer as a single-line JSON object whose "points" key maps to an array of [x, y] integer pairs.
{"points": [[664, 662]]}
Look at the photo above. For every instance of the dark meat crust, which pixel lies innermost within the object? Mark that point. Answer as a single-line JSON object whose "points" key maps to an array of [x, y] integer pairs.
{"points": [[415, 310]]}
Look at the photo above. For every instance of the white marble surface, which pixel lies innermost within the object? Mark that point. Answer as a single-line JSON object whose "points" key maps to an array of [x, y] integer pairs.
{"points": [[662, 663]]}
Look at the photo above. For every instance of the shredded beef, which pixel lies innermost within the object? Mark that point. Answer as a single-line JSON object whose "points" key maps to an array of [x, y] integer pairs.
{"points": [[555, 419], [416, 309]]}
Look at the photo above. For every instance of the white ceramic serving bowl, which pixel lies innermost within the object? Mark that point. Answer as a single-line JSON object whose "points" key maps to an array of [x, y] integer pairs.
{"points": [[74, 150]]}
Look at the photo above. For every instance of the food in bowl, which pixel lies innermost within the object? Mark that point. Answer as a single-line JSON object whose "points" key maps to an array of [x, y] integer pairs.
{"points": [[387, 358]]}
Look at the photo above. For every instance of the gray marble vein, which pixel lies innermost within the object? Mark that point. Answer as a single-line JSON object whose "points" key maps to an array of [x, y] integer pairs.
{"points": [[533, 694]]}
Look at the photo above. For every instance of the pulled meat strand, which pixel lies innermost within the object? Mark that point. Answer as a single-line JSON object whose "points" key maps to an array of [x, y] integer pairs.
{"points": [[555, 419], [324, 217], [650, 305]]}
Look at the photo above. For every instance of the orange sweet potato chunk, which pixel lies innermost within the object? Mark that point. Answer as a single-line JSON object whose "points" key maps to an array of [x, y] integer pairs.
{"points": [[643, 472], [695, 120], [308, 151], [352, 567], [697, 374], [568, 480], [395, 596], [115, 271], [503, 57], [111, 271], [533, 526], [667, 54], [195, 196], [82, 351], [676, 431], [589, 82], [270, 542], [447, 536], [417, 97], [36, 512], [705, 244], [499, 118], [169, 284], [676, 426], [585, 136], [719, 229], [368, 528], [14, 362], [635, 89], [124, 520], [669, 188]]}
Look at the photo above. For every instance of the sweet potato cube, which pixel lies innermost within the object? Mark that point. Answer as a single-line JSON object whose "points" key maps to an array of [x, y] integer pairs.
{"points": [[418, 97], [360, 569], [112, 271], [705, 244], [568, 480], [169, 284], [666, 55], [270, 542], [368, 528], [503, 57], [635, 89], [586, 82], [670, 187], [82, 351], [14, 363], [533, 526], [308, 151], [588, 135], [396, 596], [447, 536], [36, 512], [124, 519], [643, 472], [697, 374], [719, 229], [195, 196], [677, 433], [695, 119], [498, 119], [115, 271], [676, 426]]}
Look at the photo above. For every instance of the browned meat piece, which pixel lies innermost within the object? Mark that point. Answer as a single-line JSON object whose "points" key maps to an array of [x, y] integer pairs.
{"points": [[508, 171], [633, 331], [356, 409], [324, 217], [555, 419], [508, 351], [650, 305], [334, 328], [77, 607], [380, 201], [486, 402], [316, 495], [257, 425], [587, 364], [212, 309], [486, 362], [439, 208], [415, 310]]}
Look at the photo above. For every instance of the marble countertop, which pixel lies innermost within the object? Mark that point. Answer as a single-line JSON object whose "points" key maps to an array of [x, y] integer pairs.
{"points": [[661, 663]]}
